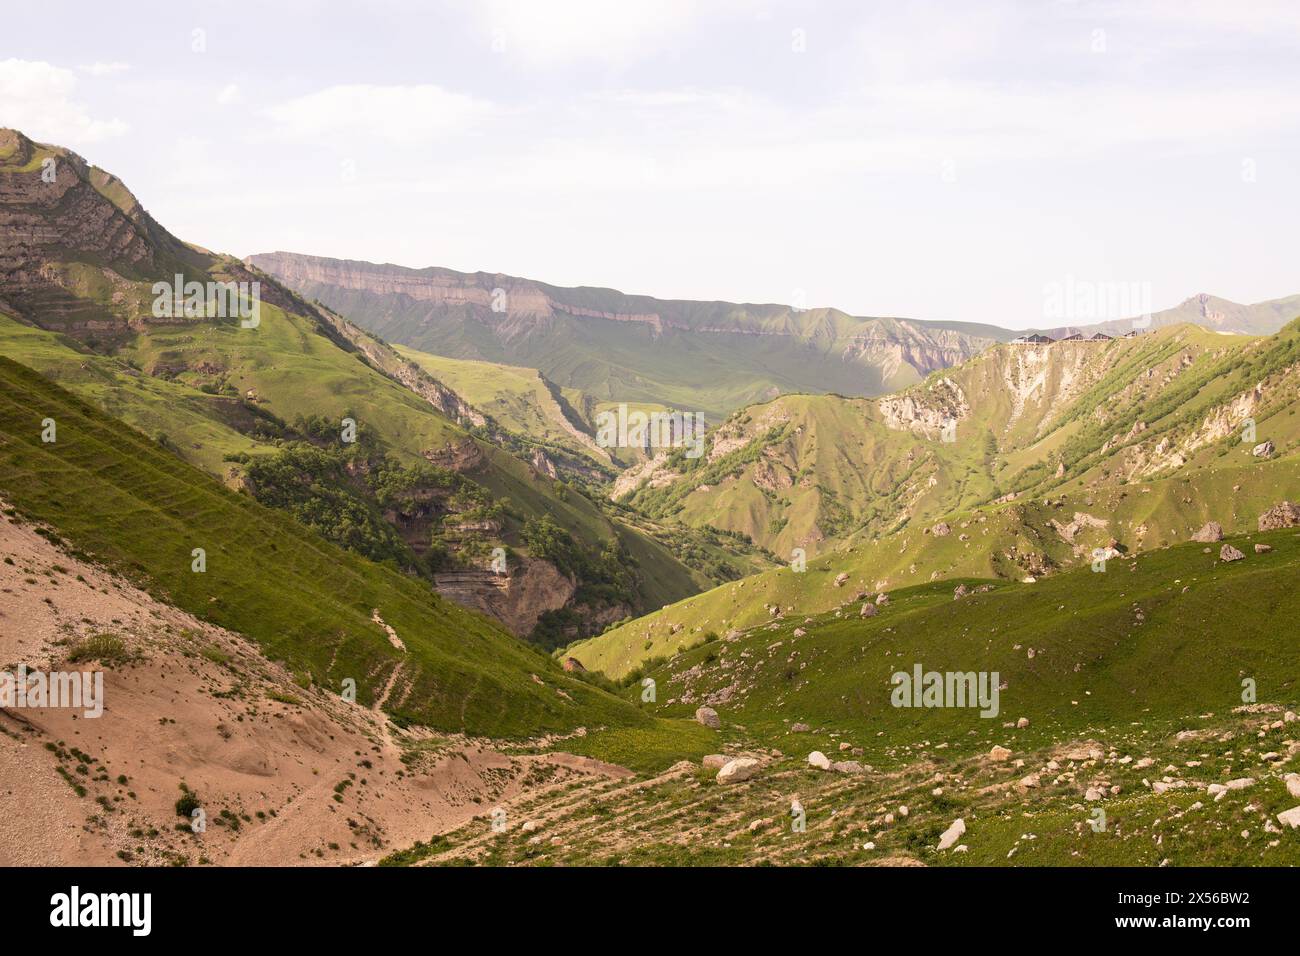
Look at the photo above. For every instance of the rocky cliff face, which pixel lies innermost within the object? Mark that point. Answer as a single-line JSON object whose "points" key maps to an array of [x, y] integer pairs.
{"points": [[66, 226], [925, 410], [824, 349], [516, 599]]}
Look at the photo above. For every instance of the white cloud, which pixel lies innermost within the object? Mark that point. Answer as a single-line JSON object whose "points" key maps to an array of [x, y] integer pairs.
{"points": [[395, 114], [37, 98], [228, 94], [104, 69]]}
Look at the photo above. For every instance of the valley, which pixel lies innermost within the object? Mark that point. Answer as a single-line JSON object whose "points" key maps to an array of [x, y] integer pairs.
{"points": [[369, 583]]}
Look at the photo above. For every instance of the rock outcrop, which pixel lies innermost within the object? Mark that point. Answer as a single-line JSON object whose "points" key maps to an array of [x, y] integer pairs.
{"points": [[1285, 514]]}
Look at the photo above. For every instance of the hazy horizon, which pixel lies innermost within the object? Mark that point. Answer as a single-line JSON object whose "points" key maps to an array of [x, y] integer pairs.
{"points": [[933, 161]]}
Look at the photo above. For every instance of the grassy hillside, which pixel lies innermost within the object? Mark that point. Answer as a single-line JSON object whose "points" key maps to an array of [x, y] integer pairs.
{"points": [[114, 494], [1123, 692], [812, 471], [1135, 444], [710, 357], [80, 308], [1160, 636], [521, 399]]}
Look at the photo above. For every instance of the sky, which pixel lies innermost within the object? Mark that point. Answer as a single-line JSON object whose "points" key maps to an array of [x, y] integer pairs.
{"points": [[935, 160]]}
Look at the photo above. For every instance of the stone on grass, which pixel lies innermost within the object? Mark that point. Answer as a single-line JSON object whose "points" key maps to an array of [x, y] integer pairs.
{"points": [[1290, 818], [1285, 514], [1293, 784], [1211, 531], [954, 833], [708, 717], [742, 768]]}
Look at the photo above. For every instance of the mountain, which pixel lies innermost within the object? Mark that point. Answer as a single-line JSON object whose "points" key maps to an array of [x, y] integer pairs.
{"points": [[311, 703], [1208, 311], [280, 541], [108, 494], [524, 401], [430, 483], [710, 357], [1056, 451], [813, 471]]}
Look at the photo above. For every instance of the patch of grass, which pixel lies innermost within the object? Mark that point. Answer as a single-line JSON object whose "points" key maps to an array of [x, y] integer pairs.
{"points": [[108, 649]]}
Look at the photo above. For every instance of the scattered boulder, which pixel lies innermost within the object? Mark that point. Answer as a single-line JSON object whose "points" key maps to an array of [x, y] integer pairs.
{"points": [[572, 665], [715, 761], [1212, 531], [941, 530], [1229, 553], [799, 632], [868, 610], [999, 753], [742, 768], [1022, 723], [819, 760], [1285, 514], [800, 728], [708, 717], [1263, 450], [847, 766], [1293, 784], [954, 833], [959, 592], [1290, 818], [882, 599], [1087, 750], [841, 579], [1263, 548]]}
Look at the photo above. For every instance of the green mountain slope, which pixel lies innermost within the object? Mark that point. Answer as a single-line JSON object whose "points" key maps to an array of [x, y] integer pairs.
{"points": [[78, 261], [710, 357], [113, 494], [1058, 451], [814, 471], [521, 399], [1158, 637], [1140, 692]]}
